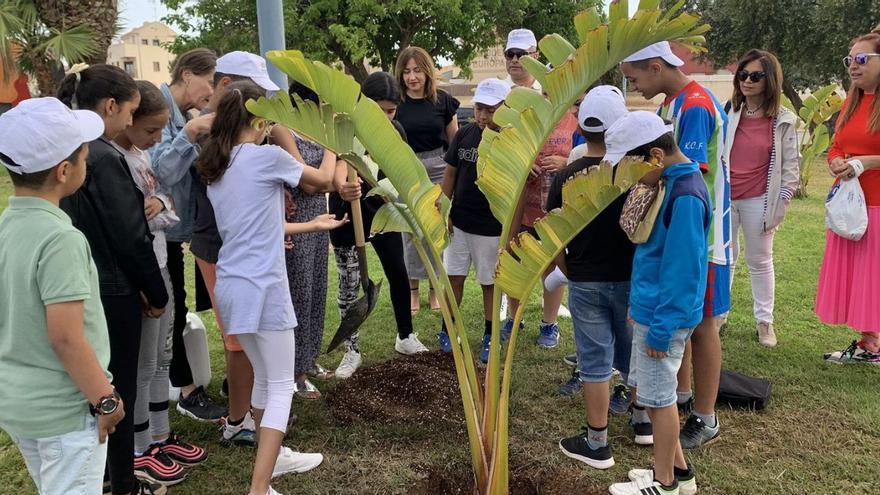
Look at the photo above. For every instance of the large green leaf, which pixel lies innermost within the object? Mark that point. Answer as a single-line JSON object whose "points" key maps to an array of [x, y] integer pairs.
{"points": [[392, 217], [319, 124]]}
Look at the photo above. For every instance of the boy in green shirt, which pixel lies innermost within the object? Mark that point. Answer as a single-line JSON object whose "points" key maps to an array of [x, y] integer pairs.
{"points": [[58, 404]]}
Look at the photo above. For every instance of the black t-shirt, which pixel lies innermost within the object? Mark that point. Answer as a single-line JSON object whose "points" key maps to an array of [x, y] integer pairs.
{"points": [[205, 242], [344, 236], [601, 252], [425, 122], [470, 208]]}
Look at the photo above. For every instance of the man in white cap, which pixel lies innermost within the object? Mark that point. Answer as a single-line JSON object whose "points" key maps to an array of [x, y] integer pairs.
{"points": [[669, 274], [520, 42], [700, 127], [239, 428], [605, 103], [474, 229], [54, 345]]}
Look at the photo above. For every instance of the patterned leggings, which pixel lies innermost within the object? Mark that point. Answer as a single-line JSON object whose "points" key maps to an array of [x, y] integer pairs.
{"points": [[389, 248]]}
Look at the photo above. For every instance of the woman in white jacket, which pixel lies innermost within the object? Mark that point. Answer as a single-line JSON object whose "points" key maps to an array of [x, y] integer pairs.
{"points": [[763, 155]]}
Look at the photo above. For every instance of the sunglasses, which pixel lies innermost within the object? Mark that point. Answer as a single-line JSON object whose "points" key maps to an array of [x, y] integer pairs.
{"points": [[752, 76], [518, 54], [859, 58]]}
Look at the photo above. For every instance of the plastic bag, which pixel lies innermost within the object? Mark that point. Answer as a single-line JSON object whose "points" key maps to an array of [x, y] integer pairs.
{"points": [[845, 211]]}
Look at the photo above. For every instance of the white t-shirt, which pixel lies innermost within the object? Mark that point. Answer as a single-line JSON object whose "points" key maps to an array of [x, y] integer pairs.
{"points": [[252, 291], [578, 151]]}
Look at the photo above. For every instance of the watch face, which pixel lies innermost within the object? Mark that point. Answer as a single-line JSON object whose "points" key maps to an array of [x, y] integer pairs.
{"points": [[107, 405]]}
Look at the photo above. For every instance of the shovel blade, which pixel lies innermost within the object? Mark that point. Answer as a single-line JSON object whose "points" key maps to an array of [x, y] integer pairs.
{"points": [[356, 314]]}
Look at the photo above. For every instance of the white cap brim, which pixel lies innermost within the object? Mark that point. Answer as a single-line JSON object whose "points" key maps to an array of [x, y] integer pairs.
{"points": [[265, 83], [91, 125], [487, 100], [614, 158]]}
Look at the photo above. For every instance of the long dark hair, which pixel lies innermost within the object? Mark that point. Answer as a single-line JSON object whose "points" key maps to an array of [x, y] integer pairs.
{"points": [[773, 75], [85, 89], [380, 86], [231, 117], [152, 100], [299, 89]]}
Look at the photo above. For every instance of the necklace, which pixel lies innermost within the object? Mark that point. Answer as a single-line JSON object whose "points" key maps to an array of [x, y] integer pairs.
{"points": [[753, 112]]}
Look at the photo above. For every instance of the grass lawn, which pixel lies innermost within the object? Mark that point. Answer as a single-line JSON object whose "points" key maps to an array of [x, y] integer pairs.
{"points": [[821, 433]]}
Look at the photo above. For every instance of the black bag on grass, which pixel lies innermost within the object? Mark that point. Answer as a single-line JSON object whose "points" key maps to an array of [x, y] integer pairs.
{"points": [[739, 391]]}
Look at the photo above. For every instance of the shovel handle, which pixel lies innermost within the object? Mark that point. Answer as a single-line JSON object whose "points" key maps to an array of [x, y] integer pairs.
{"points": [[357, 219]]}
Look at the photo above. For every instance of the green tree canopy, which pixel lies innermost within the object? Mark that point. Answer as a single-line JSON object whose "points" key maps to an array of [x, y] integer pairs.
{"points": [[351, 31]]}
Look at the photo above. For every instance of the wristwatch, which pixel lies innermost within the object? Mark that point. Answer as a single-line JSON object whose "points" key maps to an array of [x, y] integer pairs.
{"points": [[105, 405]]}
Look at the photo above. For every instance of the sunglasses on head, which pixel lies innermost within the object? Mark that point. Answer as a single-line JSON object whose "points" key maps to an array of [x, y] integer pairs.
{"points": [[510, 54], [752, 76], [859, 58]]}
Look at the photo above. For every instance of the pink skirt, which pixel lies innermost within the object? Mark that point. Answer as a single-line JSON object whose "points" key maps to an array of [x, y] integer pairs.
{"points": [[849, 282]]}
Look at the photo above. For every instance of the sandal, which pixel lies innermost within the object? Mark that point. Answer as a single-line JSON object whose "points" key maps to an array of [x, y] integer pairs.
{"points": [[432, 300], [415, 303], [306, 391], [320, 373]]}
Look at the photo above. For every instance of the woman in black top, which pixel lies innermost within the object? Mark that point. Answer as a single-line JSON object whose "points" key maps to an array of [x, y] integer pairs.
{"points": [[382, 88], [428, 117]]}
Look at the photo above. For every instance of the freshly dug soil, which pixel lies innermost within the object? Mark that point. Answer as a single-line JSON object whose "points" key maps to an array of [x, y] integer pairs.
{"points": [[416, 390]]}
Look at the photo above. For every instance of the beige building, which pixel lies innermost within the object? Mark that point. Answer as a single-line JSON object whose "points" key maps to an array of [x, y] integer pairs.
{"points": [[142, 54]]}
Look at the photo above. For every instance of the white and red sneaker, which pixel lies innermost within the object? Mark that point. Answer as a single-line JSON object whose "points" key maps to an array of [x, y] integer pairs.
{"points": [[154, 466], [183, 452]]}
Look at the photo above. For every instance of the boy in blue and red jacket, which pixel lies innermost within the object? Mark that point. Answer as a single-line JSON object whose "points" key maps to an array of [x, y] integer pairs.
{"points": [[666, 295]]}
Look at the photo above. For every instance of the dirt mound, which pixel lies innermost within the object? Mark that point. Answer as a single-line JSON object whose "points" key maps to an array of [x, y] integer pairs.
{"points": [[416, 390]]}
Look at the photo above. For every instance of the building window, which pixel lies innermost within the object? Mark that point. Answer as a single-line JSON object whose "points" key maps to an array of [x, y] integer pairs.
{"points": [[155, 42], [156, 67], [129, 68], [145, 42]]}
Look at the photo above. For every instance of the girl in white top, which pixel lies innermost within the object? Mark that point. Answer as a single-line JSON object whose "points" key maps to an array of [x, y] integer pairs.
{"points": [[246, 188]]}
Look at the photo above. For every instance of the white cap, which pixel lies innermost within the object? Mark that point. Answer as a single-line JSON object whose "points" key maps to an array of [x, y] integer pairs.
{"points": [[631, 131], [491, 91], [247, 65], [40, 133], [660, 49], [523, 39], [605, 103]]}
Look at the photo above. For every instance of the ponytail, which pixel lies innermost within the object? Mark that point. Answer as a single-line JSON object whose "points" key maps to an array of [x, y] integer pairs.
{"points": [[84, 87], [230, 119]]}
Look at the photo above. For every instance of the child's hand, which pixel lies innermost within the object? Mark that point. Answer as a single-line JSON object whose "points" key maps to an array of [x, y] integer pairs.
{"points": [[534, 171], [152, 207], [351, 191], [107, 422], [327, 222], [654, 353], [198, 126], [553, 163]]}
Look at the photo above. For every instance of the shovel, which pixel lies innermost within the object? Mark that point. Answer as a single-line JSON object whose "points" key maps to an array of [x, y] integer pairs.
{"points": [[358, 312]]}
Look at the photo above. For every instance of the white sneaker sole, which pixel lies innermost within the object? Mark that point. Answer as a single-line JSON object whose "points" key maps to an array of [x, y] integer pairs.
{"points": [[644, 439], [143, 476], [190, 415], [403, 351], [299, 469], [606, 464], [684, 488]]}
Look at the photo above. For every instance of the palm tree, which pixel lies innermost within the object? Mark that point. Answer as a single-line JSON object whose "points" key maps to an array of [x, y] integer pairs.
{"points": [[100, 16], [30, 44]]}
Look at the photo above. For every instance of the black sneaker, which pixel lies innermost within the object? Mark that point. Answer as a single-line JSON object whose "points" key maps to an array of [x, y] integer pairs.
{"points": [[644, 433], [695, 433], [571, 359], [621, 400], [224, 389], [578, 448], [572, 386], [686, 408], [200, 407], [147, 488]]}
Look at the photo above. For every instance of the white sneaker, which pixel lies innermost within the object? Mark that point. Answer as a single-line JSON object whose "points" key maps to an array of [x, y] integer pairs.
{"points": [[410, 345], [290, 461], [642, 486], [245, 434], [686, 486], [272, 491], [351, 361]]}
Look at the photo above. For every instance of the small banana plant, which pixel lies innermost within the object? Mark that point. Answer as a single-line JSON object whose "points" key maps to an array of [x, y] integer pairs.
{"points": [[356, 129], [813, 122]]}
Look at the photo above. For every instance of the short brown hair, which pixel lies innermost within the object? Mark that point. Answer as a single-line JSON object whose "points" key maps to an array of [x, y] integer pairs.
{"points": [[199, 61], [855, 94], [36, 180], [424, 62], [773, 75]]}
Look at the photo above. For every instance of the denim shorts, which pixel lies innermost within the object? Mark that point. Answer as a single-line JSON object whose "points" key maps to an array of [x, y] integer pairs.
{"points": [[601, 333], [68, 464], [656, 380]]}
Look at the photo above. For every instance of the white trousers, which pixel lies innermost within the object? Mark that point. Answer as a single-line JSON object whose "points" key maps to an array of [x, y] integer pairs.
{"points": [[272, 356], [748, 214]]}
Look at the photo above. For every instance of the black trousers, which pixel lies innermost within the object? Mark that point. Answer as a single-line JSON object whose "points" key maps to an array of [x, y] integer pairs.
{"points": [[389, 249], [180, 372], [123, 314]]}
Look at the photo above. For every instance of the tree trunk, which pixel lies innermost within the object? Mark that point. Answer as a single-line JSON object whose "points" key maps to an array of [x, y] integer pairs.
{"points": [[98, 15], [792, 95], [357, 70], [46, 82]]}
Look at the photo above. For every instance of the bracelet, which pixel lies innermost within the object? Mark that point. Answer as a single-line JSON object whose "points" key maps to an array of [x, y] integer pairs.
{"points": [[857, 166]]}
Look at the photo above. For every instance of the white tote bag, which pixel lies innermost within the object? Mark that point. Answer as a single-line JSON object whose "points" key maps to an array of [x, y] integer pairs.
{"points": [[845, 211]]}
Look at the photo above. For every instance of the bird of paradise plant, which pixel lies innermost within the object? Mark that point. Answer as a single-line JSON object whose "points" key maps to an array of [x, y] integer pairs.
{"points": [[356, 129]]}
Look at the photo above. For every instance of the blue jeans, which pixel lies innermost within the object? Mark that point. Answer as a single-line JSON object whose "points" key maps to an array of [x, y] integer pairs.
{"points": [[601, 333], [68, 464], [656, 380]]}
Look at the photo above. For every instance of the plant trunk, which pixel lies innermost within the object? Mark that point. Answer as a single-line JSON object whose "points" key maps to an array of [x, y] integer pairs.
{"points": [[357, 70], [43, 72], [98, 15], [792, 95]]}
